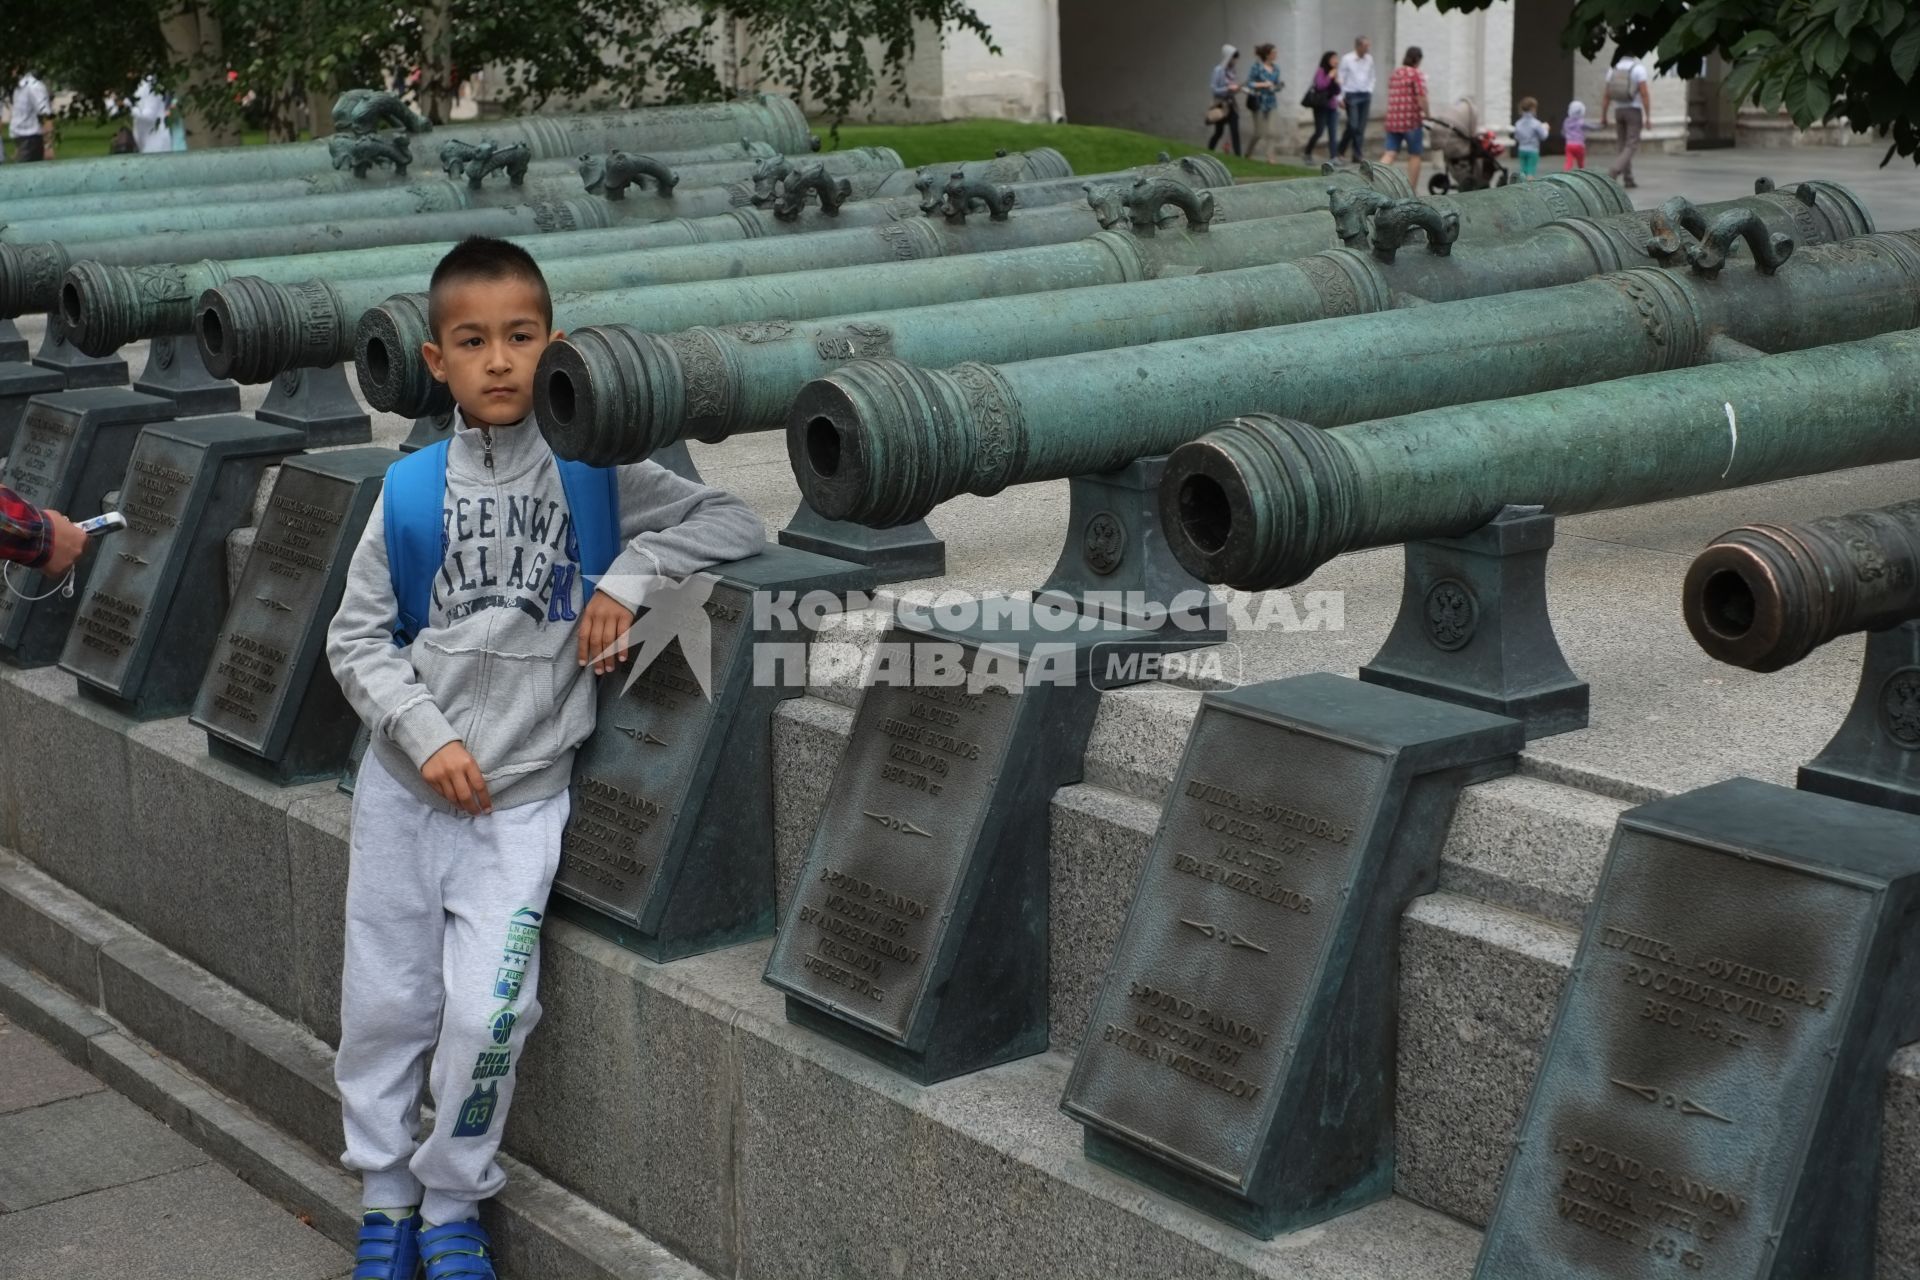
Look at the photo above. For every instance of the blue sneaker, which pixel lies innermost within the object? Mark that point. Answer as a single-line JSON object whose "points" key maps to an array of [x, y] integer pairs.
{"points": [[387, 1250], [458, 1251]]}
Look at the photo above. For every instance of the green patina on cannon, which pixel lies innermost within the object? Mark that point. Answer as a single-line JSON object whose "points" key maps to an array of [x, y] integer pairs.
{"points": [[610, 394], [393, 378], [881, 442], [1766, 596], [30, 273], [703, 190], [1264, 501], [764, 118]]}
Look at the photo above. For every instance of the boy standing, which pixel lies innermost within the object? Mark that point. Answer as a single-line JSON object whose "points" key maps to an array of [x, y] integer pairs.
{"points": [[470, 617], [1529, 131]]}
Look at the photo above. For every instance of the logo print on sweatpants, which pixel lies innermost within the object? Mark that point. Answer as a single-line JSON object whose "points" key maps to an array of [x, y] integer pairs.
{"points": [[501, 1028], [523, 936], [476, 1113]]}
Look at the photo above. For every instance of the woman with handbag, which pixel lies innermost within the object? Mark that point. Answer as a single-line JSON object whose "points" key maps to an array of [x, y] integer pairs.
{"points": [[1323, 99], [1224, 114], [1263, 100]]}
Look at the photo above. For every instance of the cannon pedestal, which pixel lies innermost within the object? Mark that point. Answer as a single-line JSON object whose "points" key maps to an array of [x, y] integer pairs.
{"points": [[176, 371], [1473, 627], [903, 554], [1875, 758], [320, 403], [1116, 561], [13, 346]]}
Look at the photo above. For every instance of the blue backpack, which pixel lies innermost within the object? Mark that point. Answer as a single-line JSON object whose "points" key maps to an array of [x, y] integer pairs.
{"points": [[415, 496]]}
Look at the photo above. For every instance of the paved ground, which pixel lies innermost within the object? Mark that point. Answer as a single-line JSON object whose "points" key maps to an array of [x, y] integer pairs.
{"points": [[1892, 193], [91, 1186]]}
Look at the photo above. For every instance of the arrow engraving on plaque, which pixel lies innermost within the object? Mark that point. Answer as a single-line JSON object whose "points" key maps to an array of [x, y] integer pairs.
{"points": [[640, 735], [901, 825], [1685, 1106], [271, 603], [131, 558], [1222, 935]]}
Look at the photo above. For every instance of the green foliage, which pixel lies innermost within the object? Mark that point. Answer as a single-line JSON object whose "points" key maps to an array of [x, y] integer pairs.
{"points": [[1819, 59], [837, 53], [1088, 148]]}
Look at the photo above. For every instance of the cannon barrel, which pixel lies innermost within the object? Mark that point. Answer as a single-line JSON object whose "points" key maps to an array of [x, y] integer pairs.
{"points": [[1264, 501], [766, 118], [882, 442], [707, 166], [729, 185], [1765, 596], [613, 394], [1111, 257]]}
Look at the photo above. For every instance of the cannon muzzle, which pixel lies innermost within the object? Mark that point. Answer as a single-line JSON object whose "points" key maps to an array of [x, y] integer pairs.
{"points": [[386, 358], [252, 330], [1765, 596]]}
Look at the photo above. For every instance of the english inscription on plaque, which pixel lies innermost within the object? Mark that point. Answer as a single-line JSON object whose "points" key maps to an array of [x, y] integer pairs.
{"points": [[72, 450], [1255, 970], [1710, 1099], [917, 931], [670, 843], [268, 701], [154, 601]]}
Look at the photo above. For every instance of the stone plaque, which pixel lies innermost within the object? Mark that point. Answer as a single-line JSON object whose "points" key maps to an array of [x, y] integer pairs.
{"points": [[671, 837], [72, 450], [268, 701], [918, 929], [1709, 1102], [154, 601], [1255, 972], [19, 384]]}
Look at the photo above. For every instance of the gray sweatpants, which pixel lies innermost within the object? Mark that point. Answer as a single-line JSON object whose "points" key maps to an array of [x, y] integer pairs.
{"points": [[442, 962]]}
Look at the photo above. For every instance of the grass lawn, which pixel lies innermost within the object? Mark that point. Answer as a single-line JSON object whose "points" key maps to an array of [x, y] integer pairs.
{"points": [[79, 139], [1089, 148]]}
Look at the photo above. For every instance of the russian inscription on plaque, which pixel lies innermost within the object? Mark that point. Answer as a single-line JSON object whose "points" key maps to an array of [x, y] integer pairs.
{"points": [[1709, 1102], [1254, 977], [669, 850], [917, 932], [157, 593], [71, 451], [268, 701]]}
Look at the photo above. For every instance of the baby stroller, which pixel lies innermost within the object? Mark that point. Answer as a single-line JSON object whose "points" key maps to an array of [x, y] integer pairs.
{"points": [[1472, 156]]}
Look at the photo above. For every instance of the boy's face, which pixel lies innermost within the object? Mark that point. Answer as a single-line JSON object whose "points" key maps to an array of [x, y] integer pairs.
{"points": [[491, 335]]}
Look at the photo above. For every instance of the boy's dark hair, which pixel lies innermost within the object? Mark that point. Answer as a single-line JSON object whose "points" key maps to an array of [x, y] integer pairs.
{"points": [[484, 258]]}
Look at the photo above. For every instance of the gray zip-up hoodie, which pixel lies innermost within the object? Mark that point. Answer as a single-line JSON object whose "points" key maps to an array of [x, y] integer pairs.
{"points": [[496, 666]]}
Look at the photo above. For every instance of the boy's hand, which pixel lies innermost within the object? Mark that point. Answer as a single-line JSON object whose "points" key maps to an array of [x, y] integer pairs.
{"points": [[453, 773], [603, 632]]}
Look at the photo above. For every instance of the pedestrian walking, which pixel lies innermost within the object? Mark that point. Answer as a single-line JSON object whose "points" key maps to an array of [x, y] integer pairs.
{"points": [[150, 109], [1323, 99], [31, 116], [1574, 130], [1356, 92], [1529, 131], [1406, 110], [1263, 102], [1224, 114], [1631, 102]]}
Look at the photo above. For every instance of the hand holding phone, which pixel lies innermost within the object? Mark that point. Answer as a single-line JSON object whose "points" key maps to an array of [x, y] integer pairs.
{"points": [[107, 523]]}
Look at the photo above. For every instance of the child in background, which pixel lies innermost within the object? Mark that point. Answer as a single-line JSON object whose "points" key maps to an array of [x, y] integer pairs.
{"points": [[1575, 132], [1529, 131]]}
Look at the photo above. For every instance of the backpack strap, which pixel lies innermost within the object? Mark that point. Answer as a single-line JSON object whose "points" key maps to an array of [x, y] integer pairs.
{"points": [[414, 498], [593, 500]]}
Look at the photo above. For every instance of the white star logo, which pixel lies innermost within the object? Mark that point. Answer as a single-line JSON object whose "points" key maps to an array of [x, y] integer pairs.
{"points": [[669, 611]]}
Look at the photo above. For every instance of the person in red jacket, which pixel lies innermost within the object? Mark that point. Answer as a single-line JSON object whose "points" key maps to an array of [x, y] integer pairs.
{"points": [[43, 540]]}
